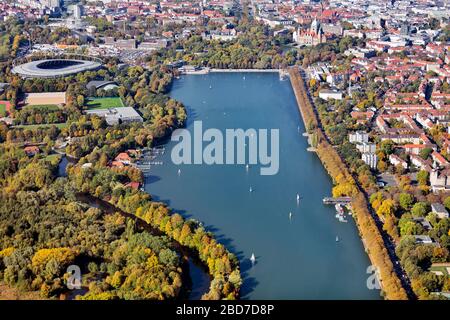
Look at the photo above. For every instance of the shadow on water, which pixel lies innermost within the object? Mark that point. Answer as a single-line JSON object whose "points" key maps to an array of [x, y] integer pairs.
{"points": [[151, 178], [248, 283]]}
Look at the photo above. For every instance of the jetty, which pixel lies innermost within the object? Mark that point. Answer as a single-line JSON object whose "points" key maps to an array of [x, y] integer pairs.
{"points": [[339, 200]]}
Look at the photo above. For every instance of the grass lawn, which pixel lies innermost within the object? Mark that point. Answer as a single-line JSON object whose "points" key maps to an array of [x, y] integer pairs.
{"points": [[2, 110], [53, 158], [442, 269], [104, 103], [43, 107], [44, 125]]}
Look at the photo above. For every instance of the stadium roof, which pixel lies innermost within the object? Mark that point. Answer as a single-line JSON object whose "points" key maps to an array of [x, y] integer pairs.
{"points": [[53, 68]]}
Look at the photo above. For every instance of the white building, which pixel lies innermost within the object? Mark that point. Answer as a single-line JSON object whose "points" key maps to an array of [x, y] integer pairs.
{"points": [[370, 159], [326, 94], [439, 210], [440, 180], [117, 115], [366, 147], [358, 137], [396, 160]]}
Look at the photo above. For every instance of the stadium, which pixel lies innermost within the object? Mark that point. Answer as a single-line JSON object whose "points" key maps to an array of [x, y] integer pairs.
{"points": [[54, 68]]}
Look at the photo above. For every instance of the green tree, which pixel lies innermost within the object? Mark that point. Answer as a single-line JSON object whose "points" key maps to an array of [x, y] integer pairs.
{"points": [[405, 200], [422, 177], [425, 153], [420, 209], [447, 202]]}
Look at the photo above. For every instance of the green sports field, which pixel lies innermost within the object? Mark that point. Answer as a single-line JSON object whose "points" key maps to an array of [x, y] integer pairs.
{"points": [[104, 103], [46, 125], [2, 110]]}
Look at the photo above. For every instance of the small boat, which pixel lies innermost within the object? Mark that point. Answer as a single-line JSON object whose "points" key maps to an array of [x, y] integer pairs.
{"points": [[290, 215], [246, 167], [179, 171], [251, 190], [298, 197], [243, 77], [210, 87], [253, 258], [337, 239]]}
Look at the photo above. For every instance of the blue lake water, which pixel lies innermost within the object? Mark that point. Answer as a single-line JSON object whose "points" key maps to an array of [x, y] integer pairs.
{"points": [[297, 258]]}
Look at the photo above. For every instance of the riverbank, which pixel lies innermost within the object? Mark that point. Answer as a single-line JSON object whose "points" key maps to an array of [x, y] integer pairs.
{"points": [[244, 70], [339, 172], [207, 70], [189, 257]]}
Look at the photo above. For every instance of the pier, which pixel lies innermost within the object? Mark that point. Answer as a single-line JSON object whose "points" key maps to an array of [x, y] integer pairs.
{"points": [[339, 200]]}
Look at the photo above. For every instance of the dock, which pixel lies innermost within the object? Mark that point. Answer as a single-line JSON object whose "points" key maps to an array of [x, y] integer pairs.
{"points": [[339, 200]]}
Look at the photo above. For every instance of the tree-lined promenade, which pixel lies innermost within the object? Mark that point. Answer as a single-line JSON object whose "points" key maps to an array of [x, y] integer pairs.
{"points": [[345, 184]]}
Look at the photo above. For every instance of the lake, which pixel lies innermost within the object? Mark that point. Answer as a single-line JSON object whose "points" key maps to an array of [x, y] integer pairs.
{"points": [[297, 257]]}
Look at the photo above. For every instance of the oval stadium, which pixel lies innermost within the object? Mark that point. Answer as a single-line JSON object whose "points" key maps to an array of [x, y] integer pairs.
{"points": [[53, 68]]}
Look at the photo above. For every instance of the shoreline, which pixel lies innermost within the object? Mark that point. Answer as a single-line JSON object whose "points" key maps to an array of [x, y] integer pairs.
{"points": [[207, 70], [368, 231], [245, 70]]}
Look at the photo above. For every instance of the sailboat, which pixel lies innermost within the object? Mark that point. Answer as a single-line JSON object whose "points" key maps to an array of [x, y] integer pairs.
{"points": [[253, 258]]}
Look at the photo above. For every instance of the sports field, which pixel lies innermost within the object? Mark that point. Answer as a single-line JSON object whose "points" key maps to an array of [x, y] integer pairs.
{"points": [[46, 125], [2, 110], [104, 103]]}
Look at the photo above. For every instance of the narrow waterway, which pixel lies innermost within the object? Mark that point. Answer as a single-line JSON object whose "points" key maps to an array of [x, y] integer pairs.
{"points": [[195, 277], [297, 257]]}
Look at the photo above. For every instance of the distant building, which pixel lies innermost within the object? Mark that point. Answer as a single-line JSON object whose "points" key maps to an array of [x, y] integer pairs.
{"points": [[334, 29], [314, 36], [326, 94], [127, 44], [101, 84], [117, 115], [370, 159], [153, 44], [221, 35], [358, 137], [421, 239], [440, 180], [396, 160], [366, 147], [439, 210], [31, 150]]}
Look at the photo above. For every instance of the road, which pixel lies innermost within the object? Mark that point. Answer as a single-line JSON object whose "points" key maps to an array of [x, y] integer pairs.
{"points": [[389, 243]]}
